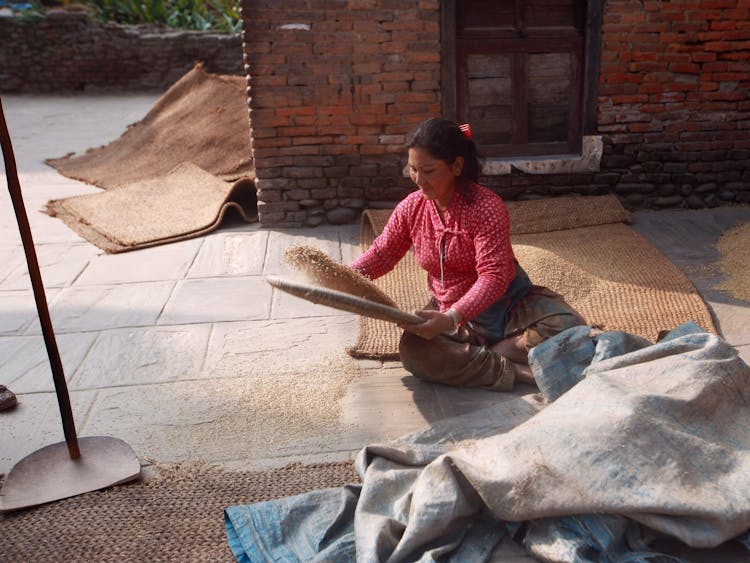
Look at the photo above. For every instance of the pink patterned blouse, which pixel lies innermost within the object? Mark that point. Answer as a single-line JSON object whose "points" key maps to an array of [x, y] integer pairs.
{"points": [[478, 261]]}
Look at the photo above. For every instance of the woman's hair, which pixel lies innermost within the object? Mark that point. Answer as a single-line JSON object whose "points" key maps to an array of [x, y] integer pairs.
{"points": [[444, 140]]}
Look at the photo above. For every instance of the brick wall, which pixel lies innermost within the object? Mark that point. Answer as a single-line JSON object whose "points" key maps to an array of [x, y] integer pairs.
{"points": [[673, 106], [335, 87], [69, 51]]}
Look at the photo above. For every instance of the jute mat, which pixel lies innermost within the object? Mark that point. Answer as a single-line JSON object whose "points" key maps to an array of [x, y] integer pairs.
{"points": [[557, 214], [175, 516], [173, 175], [185, 203], [576, 246], [202, 119]]}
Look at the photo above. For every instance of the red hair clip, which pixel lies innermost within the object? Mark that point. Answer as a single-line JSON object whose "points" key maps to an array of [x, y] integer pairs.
{"points": [[466, 130]]}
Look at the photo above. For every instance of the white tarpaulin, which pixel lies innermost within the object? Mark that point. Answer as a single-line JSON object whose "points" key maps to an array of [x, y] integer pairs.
{"points": [[637, 433]]}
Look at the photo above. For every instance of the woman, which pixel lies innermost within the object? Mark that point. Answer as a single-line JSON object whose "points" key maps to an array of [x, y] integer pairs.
{"points": [[484, 314]]}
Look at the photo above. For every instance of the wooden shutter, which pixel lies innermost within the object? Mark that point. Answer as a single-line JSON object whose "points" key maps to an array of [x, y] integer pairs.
{"points": [[519, 74]]}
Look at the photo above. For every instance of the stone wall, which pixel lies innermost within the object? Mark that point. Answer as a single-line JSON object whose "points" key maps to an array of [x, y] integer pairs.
{"points": [[70, 51], [336, 84]]}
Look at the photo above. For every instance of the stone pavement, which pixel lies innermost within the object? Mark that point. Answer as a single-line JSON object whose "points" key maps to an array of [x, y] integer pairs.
{"points": [[187, 354]]}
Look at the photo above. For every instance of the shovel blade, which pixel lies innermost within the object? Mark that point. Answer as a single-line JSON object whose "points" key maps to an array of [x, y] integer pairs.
{"points": [[49, 474]]}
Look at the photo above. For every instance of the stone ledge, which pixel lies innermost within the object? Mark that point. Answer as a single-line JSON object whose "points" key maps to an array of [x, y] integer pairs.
{"points": [[588, 161]]}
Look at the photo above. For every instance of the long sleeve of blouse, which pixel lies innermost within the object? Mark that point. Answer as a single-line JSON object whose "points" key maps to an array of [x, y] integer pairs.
{"points": [[473, 238]]}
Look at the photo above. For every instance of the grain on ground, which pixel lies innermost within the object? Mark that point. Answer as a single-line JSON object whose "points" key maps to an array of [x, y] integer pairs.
{"points": [[734, 249]]}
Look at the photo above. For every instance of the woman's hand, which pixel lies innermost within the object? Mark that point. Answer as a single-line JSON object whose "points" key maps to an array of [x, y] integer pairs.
{"points": [[434, 323]]}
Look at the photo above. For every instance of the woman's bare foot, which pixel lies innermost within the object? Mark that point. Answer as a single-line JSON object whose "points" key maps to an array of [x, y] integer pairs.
{"points": [[524, 374], [514, 348]]}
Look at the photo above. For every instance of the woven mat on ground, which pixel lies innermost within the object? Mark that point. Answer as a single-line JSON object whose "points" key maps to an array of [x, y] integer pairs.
{"points": [[175, 516], [200, 124], [577, 246], [185, 203]]}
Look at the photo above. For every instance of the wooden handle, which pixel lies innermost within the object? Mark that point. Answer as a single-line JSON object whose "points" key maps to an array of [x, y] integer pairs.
{"points": [[58, 376]]}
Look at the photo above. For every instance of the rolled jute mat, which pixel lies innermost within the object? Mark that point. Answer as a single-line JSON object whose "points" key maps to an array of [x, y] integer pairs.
{"points": [[177, 515], [184, 203], [173, 175], [611, 274]]}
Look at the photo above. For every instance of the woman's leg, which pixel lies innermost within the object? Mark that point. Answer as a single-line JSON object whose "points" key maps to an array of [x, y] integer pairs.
{"points": [[514, 349], [459, 364], [541, 314], [538, 316]]}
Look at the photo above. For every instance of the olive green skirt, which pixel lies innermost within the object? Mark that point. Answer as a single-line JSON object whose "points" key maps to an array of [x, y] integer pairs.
{"points": [[466, 359]]}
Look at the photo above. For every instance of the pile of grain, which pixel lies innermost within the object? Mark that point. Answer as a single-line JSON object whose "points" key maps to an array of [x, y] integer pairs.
{"points": [[734, 248], [265, 413], [320, 269]]}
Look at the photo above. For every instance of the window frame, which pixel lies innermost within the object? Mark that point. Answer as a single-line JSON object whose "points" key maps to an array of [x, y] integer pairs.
{"points": [[584, 77]]}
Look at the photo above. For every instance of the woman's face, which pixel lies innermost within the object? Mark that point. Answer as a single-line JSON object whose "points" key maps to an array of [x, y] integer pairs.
{"points": [[435, 178]]}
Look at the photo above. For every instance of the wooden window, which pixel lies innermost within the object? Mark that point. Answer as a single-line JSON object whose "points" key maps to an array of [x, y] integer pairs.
{"points": [[517, 69]]}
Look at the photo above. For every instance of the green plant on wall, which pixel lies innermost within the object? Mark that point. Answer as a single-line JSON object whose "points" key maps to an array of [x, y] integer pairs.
{"points": [[25, 12], [214, 15]]}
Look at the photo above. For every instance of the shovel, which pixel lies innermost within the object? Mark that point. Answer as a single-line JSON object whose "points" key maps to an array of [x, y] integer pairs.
{"points": [[73, 467]]}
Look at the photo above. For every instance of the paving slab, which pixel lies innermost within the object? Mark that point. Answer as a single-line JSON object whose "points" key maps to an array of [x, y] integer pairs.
{"points": [[217, 300], [303, 346], [60, 264], [103, 307], [166, 262], [49, 230], [266, 415], [168, 422], [26, 366], [44, 127], [40, 187], [326, 239], [350, 243], [287, 306], [8, 225], [388, 402], [36, 422], [732, 321], [231, 253], [139, 356], [378, 406], [17, 311], [744, 353], [37, 192]]}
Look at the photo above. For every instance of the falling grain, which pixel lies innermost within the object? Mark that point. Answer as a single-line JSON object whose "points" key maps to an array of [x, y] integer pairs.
{"points": [[321, 269]]}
